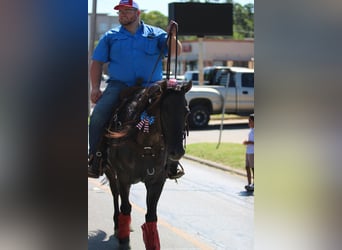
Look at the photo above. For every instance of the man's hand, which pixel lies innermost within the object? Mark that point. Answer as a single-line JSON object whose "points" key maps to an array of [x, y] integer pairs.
{"points": [[95, 77], [172, 27], [95, 95]]}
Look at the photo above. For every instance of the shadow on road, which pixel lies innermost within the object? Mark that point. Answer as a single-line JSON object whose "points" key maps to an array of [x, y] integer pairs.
{"points": [[97, 241], [246, 193]]}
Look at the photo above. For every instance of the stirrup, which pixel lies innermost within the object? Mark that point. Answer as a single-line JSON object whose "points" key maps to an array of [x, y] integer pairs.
{"points": [[179, 174], [96, 165]]}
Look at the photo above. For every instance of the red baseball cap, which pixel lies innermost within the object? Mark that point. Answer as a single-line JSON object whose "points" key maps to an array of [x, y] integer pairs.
{"points": [[127, 3]]}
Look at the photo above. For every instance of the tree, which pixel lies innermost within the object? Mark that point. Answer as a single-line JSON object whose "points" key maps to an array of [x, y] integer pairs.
{"points": [[155, 18], [243, 21]]}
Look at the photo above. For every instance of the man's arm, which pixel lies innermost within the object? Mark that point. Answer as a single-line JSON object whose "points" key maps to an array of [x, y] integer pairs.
{"points": [[95, 77], [173, 26]]}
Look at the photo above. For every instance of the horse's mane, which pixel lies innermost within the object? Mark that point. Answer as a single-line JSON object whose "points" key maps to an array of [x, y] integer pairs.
{"points": [[134, 101]]}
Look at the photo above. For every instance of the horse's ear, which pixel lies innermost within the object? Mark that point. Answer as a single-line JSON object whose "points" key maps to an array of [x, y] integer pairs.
{"points": [[187, 86]]}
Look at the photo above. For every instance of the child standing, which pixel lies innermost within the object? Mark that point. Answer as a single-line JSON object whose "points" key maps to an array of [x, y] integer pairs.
{"points": [[250, 154]]}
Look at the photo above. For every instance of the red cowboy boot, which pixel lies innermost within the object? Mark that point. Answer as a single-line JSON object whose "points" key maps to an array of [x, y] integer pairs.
{"points": [[150, 235], [124, 227]]}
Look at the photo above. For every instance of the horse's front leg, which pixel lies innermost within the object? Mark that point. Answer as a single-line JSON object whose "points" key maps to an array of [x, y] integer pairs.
{"points": [[125, 213], [149, 228], [113, 183]]}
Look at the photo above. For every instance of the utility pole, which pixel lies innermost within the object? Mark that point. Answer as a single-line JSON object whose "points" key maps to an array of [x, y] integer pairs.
{"points": [[200, 60], [91, 46]]}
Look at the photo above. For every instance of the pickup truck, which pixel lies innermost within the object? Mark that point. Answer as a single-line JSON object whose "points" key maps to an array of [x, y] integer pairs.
{"points": [[231, 87]]}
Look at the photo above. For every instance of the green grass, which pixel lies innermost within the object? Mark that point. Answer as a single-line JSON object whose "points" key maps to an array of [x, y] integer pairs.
{"points": [[230, 154]]}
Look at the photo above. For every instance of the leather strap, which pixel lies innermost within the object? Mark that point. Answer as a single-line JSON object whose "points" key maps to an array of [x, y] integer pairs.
{"points": [[168, 64]]}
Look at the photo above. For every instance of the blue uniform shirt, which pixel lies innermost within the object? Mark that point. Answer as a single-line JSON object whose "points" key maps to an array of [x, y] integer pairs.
{"points": [[132, 57]]}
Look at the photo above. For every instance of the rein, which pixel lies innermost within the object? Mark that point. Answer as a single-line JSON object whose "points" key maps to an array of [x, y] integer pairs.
{"points": [[168, 63]]}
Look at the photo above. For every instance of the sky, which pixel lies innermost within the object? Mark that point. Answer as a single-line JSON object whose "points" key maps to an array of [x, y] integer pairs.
{"points": [[106, 6]]}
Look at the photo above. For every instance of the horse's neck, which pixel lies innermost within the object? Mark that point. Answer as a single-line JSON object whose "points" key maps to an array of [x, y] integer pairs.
{"points": [[154, 136]]}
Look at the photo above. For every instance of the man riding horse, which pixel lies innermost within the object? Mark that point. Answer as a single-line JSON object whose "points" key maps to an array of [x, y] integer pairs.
{"points": [[134, 52]]}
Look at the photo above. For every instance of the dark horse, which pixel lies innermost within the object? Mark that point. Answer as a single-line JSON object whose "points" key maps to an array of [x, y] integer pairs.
{"points": [[144, 136]]}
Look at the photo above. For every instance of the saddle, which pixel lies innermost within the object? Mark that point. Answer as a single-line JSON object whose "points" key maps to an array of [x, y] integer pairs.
{"points": [[132, 113]]}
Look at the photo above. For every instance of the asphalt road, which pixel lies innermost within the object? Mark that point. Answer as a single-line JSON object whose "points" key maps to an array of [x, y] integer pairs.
{"points": [[234, 130], [207, 209]]}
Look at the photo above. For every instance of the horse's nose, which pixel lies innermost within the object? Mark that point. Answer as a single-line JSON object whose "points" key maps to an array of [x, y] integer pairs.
{"points": [[176, 154]]}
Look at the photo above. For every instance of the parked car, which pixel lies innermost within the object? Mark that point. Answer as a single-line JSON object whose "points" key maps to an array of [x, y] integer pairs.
{"points": [[172, 75], [231, 88], [191, 75]]}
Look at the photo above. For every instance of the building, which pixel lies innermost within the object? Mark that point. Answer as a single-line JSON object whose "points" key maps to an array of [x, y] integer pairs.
{"points": [[104, 22], [217, 52]]}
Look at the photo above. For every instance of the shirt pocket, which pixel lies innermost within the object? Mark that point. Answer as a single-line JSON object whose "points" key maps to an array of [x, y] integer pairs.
{"points": [[118, 46], [151, 46]]}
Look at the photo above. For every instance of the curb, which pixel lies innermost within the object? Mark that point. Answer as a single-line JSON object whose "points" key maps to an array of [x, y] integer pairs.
{"points": [[215, 165], [228, 121]]}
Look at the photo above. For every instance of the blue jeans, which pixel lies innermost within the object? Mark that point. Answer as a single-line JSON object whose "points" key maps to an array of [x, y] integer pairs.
{"points": [[102, 112]]}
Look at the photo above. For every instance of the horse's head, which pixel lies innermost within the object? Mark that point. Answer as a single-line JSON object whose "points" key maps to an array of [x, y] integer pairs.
{"points": [[174, 113]]}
